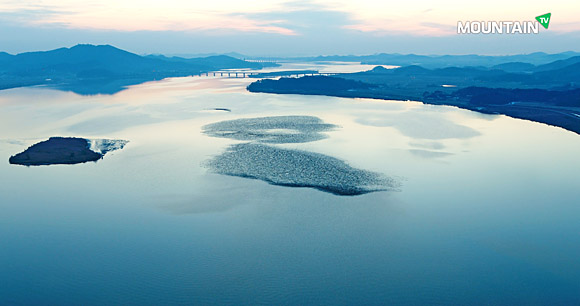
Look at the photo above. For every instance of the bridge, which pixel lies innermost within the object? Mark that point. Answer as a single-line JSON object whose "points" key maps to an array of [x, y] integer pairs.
{"points": [[254, 74]]}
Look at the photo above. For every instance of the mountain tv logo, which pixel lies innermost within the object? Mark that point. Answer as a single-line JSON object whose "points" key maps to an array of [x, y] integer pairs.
{"points": [[544, 20], [504, 27]]}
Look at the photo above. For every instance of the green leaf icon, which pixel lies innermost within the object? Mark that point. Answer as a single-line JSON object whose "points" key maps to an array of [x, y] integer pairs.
{"points": [[544, 20]]}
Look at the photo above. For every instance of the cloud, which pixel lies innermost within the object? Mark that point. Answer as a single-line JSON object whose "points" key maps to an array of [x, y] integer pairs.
{"points": [[281, 17], [131, 15], [278, 27], [420, 18], [303, 18], [393, 27]]}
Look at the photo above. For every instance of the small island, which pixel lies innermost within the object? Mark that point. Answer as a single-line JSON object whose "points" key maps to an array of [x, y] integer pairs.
{"points": [[62, 151]]}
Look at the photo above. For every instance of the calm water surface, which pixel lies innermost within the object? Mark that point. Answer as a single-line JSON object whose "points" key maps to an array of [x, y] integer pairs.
{"points": [[487, 212]]}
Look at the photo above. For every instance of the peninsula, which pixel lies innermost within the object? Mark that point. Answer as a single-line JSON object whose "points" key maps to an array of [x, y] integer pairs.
{"points": [[548, 93]]}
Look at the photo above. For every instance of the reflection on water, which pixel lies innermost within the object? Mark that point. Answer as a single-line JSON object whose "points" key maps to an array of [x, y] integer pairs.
{"points": [[421, 125], [222, 109], [493, 221], [429, 154], [433, 145], [103, 86]]}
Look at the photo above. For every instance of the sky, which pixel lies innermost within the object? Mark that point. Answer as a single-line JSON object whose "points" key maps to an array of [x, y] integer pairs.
{"points": [[284, 28]]}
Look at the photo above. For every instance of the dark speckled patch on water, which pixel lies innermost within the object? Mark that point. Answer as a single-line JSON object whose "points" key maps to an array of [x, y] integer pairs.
{"points": [[261, 159], [296, 168], [279, 129]]}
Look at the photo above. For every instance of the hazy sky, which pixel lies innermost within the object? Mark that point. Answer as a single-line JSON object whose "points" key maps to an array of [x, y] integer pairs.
{"points": [[275, 27]]}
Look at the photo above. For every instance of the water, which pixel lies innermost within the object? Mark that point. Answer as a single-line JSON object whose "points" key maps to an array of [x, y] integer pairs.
{"points": [[487, 211]]}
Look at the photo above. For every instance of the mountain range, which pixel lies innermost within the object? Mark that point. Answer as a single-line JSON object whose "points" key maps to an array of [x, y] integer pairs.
{"points": [[93, 69], [441, 61]]}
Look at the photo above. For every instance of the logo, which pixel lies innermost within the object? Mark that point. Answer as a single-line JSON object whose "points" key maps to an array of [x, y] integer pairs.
{"points": [[504, 27], [544, 20]]}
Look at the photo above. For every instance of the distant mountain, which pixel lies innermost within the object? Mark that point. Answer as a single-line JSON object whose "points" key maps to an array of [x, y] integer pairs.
{"points": [[410, 70], [440, 61], [448, 75], [196, 55], [224, 62], [236, 55], [568, 74], [515, 67], [214, 62], [90, 66], [86, 58], [561, 74], [558, 64]]}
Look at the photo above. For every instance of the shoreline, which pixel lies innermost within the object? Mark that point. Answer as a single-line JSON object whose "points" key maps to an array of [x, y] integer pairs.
{"points": [[561, 118]]}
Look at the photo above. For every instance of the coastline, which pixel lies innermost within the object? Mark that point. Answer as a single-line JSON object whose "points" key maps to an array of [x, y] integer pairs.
{"points": [[565, 118]]}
